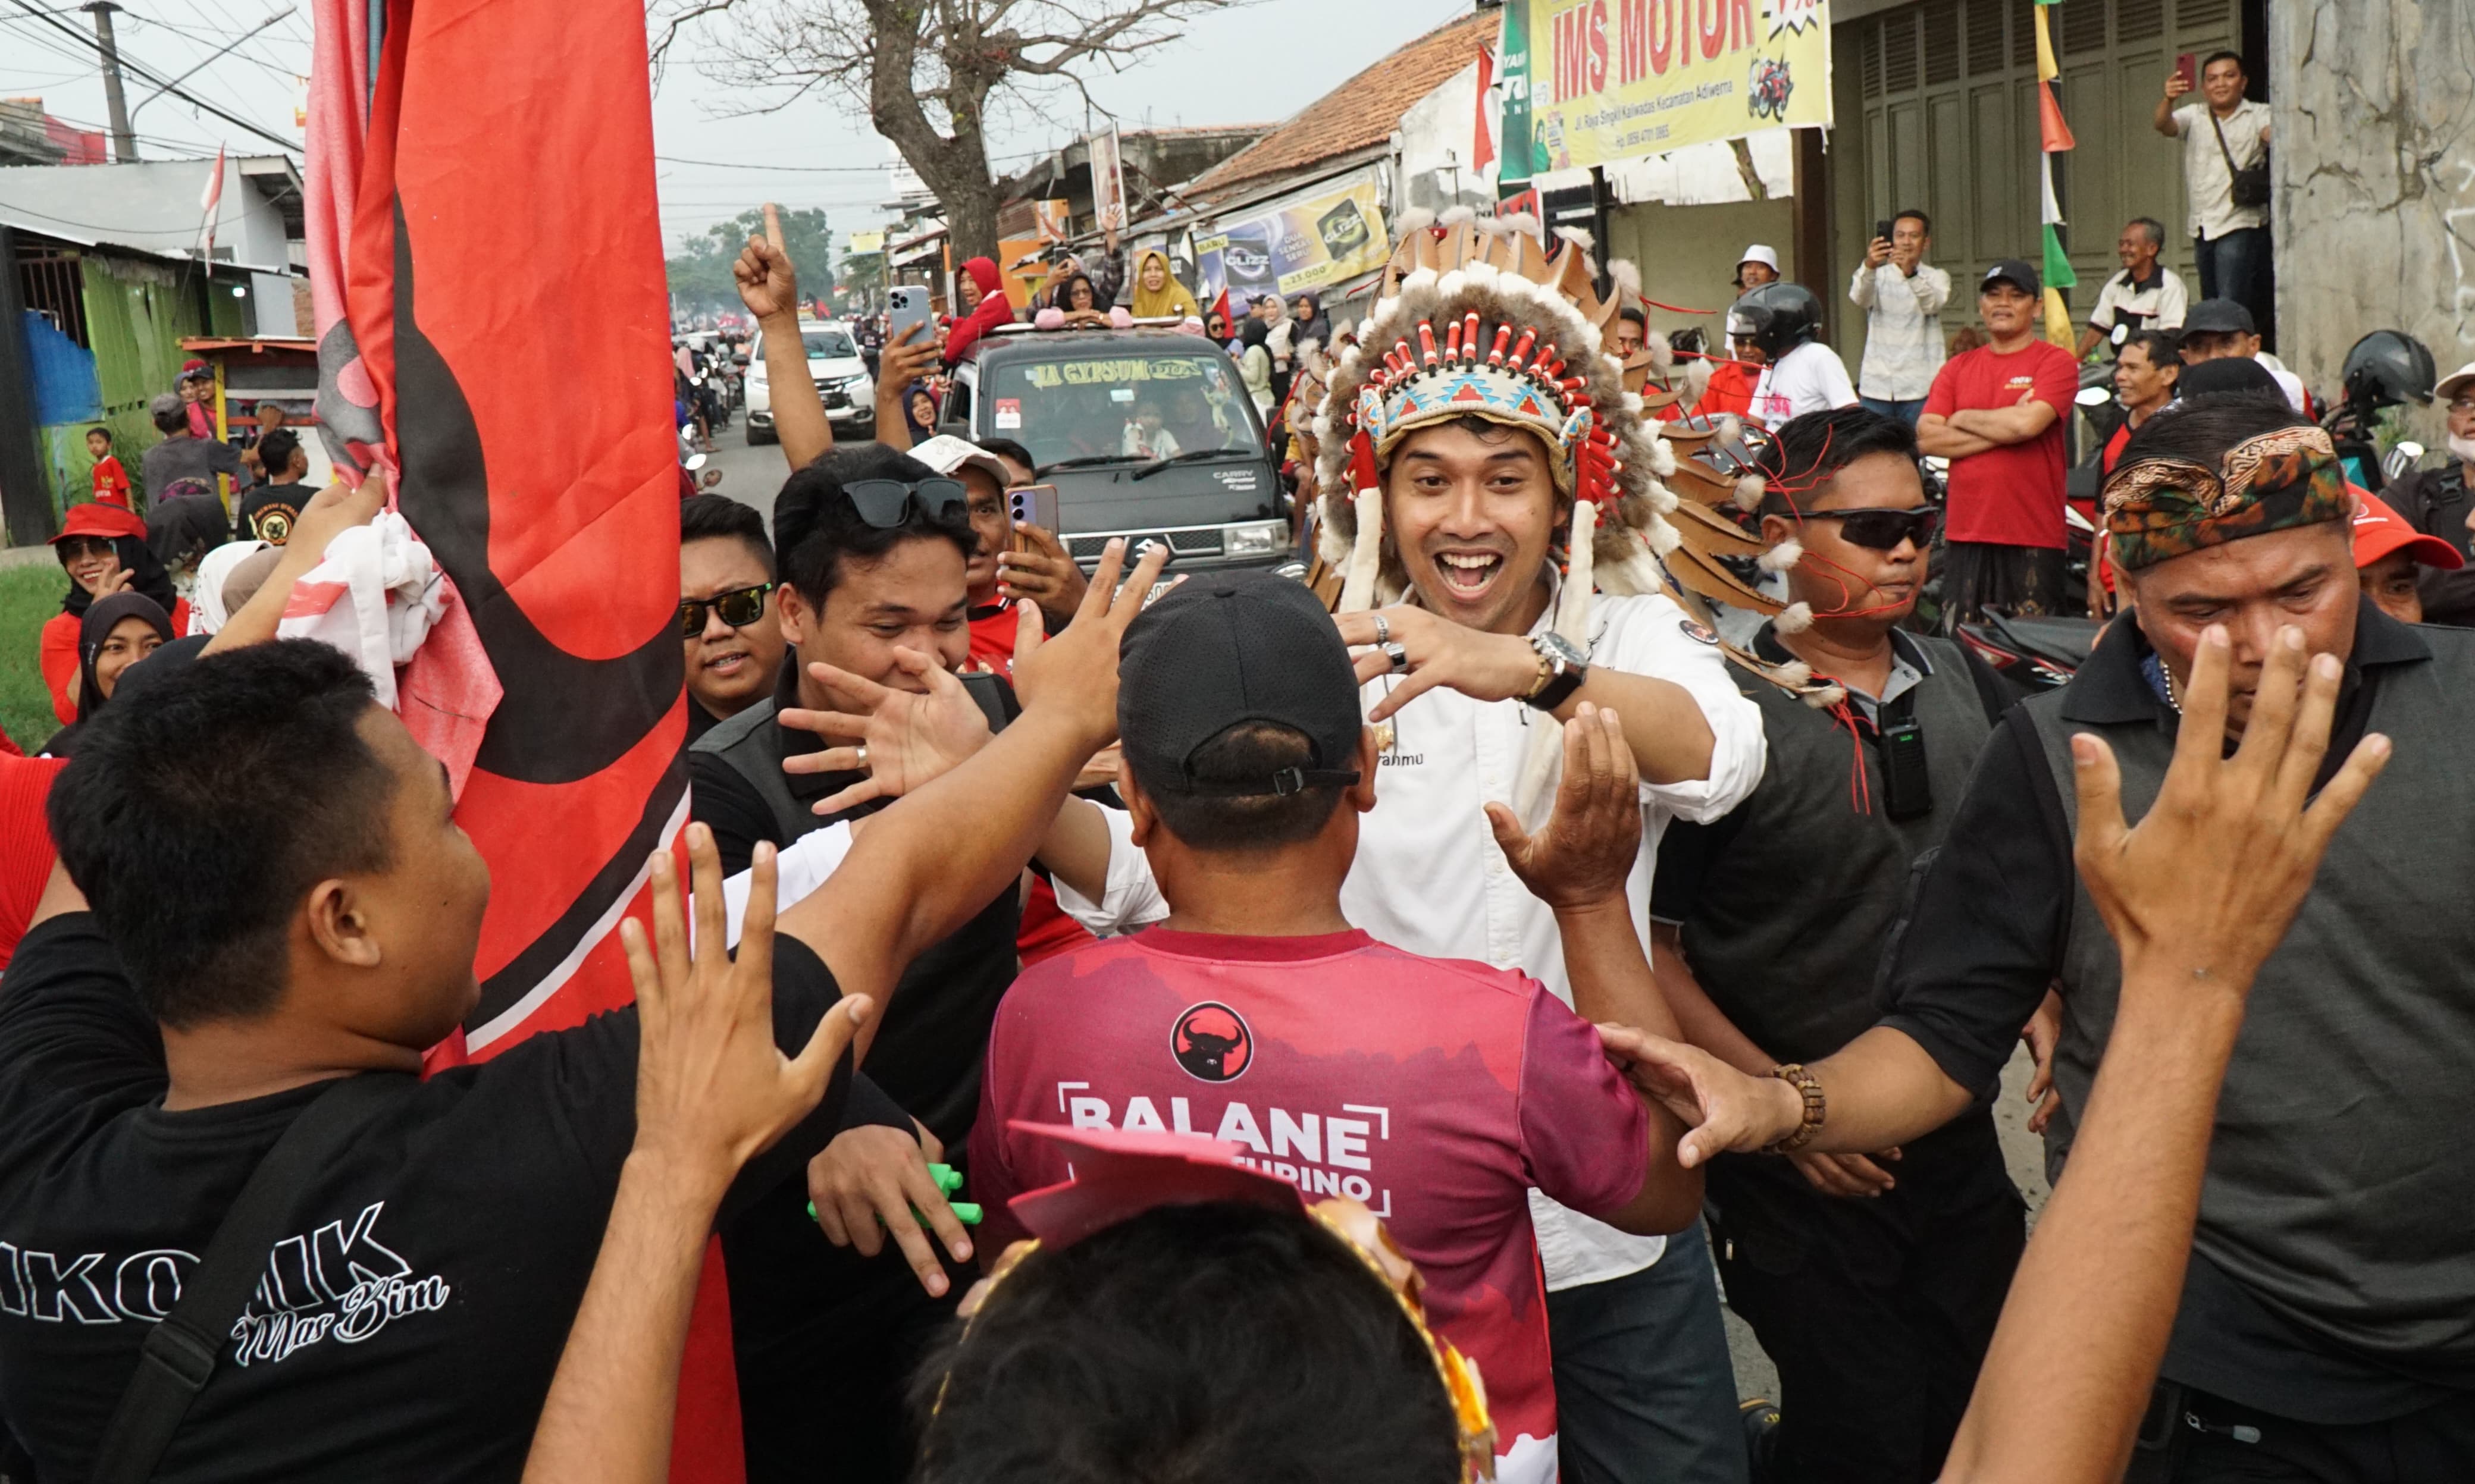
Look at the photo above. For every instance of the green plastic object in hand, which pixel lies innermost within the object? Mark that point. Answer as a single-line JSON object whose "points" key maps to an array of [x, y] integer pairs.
{"points": [[949, 1181]]}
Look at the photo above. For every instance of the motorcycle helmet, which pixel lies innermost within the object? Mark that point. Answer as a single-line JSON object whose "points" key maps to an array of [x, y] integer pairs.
{"points": [[1778, 317], [2388, 368]]}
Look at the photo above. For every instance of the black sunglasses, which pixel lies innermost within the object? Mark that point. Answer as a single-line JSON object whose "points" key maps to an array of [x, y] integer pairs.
{"points": [[738, 609], [882, 502], [1882, 530]]}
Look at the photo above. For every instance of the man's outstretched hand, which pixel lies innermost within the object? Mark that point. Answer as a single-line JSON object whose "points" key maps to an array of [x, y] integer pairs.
{"points": [[1073, 677], [909, 737], [1584, 854], [2209, 879], [767, 284], [712, 1089]]}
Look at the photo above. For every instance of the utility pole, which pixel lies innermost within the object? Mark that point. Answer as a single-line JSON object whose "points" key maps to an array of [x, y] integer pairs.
{"points": [[124, 140]]}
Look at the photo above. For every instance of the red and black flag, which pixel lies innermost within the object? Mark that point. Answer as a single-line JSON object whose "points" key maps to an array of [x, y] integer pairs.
{"points": [[494, 341]]}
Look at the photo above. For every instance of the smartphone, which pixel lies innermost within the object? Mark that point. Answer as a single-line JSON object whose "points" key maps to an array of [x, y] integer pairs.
{"points": [[1883, 228], [907, 305], [1033, 504], [2187, 66]]}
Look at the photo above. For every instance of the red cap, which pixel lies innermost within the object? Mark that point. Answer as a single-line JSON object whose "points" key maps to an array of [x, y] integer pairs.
{"points": [[2380, 531], [1118, 1175], [94, 519]]}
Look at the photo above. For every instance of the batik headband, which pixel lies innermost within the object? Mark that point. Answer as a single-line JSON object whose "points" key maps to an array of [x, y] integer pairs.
{"points": [[2166, 507]]}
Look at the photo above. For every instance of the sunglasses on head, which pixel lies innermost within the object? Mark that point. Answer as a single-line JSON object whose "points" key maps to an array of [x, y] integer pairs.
{"points": [[738, 609], [882, 502], [1882, 530]]}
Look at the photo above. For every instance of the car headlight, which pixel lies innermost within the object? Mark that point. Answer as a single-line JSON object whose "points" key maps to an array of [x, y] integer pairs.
{"points": [[860, 389], [1259, 538]]}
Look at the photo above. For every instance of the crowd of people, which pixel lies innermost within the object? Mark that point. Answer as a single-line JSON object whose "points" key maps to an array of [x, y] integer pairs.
{"points": [[1124, 1027]]}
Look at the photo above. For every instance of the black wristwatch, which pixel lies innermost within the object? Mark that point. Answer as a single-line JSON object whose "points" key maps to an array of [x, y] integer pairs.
{"points": [[1561, 670]]}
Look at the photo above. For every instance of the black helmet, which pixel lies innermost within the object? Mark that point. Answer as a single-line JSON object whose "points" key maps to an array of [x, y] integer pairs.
{"points": [[2388, 368], [1778, 317]]}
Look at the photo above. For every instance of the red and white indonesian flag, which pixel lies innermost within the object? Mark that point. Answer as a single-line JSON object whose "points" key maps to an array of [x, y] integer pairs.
{"points": [[208, 205]]}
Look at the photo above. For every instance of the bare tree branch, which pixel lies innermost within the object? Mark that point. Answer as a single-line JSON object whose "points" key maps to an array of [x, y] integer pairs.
{"points": [[927, 70]]}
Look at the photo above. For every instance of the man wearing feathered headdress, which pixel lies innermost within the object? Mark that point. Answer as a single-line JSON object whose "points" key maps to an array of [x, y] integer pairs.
{"points": [[1482, 469]]}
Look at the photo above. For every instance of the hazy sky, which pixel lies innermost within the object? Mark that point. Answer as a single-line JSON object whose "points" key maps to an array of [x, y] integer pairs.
{"points": [[1258, 62], [1254, 62]]}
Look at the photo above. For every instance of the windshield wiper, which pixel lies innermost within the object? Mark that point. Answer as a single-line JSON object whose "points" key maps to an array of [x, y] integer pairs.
{"points": [[1086, 461], [1157, 465]]}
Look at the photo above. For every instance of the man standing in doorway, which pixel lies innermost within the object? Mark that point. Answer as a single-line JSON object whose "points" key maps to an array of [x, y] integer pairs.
{"points": [[1996, 413], [2145, 295], [2223, 138], [1902, 296]]}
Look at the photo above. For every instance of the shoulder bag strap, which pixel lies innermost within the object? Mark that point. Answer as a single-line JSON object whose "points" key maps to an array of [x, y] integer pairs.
{"points": [[179, 1352], [2228, 154]]}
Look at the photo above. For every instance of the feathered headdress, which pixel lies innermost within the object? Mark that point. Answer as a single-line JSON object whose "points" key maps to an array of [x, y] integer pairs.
{"points": [[1487, 318]]}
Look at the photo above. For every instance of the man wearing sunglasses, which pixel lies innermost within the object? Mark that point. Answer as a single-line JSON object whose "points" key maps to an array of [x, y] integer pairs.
{"points": [[1873, 1282], [726, 617], [873, 549]]}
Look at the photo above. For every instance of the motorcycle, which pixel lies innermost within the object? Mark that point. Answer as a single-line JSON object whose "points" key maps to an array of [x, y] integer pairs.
{"points": [[2033, 655]]}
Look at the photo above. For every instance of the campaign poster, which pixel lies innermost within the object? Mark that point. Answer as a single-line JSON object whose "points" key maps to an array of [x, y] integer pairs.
{"points": [[1108, 181], [1616, 80], [1310, 241]]}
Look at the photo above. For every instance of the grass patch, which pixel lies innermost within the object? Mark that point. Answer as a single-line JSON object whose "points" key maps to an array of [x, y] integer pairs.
{"points": [[28, 597]]}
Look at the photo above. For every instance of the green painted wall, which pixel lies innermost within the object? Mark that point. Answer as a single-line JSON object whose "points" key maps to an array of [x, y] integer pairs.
{"points": [[135, 314]]}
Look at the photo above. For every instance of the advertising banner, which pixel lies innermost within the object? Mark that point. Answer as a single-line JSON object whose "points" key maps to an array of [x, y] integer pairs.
{"points": [[1108, 181], [1604, 80], [1309, 241]]}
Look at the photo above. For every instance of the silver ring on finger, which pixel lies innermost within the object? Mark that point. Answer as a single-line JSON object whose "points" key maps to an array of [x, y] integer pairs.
{"points": [[1383, 630], [1399, 656], [863, 759]]}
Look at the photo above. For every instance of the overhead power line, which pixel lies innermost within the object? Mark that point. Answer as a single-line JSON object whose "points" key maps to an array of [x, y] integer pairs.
{"points": [[149, 75]]}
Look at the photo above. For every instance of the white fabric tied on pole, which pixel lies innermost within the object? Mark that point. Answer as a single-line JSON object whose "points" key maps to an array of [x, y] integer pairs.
{"points": [[374, 596]]}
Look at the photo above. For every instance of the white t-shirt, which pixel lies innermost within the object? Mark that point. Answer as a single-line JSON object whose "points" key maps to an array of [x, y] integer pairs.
{"points": [[1809, 379], [1429, 879]]}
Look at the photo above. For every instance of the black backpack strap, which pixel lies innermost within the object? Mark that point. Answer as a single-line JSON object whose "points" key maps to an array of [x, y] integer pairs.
{"points": [[179, 1352]]}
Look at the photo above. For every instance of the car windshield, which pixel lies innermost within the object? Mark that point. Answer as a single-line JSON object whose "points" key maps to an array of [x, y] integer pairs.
{"points": [[1145, 404], [823, 344]]}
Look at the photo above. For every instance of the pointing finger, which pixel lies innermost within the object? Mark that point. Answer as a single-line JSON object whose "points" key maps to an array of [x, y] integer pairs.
{"points": [[773, 228]]}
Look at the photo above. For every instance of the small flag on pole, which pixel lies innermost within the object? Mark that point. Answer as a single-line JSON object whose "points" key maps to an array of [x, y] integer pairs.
{"points": [[2053, 137], [208, 204]]}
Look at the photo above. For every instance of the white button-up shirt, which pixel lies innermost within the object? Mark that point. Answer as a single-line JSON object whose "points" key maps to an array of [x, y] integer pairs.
{"points": [[1429, 879], [2205, 177], [1904, 345]]}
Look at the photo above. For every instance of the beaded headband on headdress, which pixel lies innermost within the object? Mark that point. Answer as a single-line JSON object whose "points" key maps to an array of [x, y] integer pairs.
{"points": [[2157, 508]]}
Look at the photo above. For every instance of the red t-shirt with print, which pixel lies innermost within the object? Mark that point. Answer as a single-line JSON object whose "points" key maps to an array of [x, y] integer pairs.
{"points": [[1436, 1091], [2009, 496]]}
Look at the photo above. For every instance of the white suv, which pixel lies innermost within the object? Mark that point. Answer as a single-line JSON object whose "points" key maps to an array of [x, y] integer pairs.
{"points": [[841, 377]]}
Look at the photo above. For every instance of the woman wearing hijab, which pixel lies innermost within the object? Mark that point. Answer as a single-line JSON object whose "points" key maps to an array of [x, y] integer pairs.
{"points": [[919, 412], [1310, 326], [1255, 364], [103, 550], [1280, 339], [1215, 328], [1158, 294], [981, 293], [116, 633]]}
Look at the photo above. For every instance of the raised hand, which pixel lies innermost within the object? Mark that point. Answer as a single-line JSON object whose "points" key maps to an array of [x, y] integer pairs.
{"points": [[1074, 676], [1043, 574], [1581, 856], [2209, 879], [903, 737], [712, 1088], [767, 283]]}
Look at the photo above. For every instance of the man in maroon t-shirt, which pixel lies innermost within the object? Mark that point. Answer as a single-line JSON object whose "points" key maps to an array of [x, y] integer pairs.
{"points": [[1438, 1092], [1996, 413]]}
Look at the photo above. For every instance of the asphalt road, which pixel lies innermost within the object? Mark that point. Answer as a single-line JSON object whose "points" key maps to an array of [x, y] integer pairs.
{"points": [[754, 475]]}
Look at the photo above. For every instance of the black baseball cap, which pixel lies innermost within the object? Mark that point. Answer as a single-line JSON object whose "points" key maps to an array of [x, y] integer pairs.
{"points": [[2228, 373], [1221, 651], [2017, 272], [2218, 317]]}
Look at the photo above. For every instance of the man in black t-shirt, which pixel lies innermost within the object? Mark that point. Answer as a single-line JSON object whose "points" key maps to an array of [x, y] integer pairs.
{"points": [[254, 936], [267, 512]]}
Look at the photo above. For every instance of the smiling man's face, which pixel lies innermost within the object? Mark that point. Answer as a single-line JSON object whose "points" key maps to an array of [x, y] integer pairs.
{"points": [[1473, 512]]}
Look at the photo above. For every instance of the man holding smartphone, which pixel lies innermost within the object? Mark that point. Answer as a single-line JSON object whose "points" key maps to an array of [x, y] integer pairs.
{"points": [[2224, 137], [1873, 1279], [1902, 296]]}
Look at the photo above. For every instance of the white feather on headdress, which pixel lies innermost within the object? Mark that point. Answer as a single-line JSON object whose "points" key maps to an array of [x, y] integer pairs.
{"points": [[1749, 490], [1627, 277], [1781, 558], [1578, 236], [1454, 216], [1828, 696], [1366, 554], [1794, 619], [1416, 219], [1794, 675]]}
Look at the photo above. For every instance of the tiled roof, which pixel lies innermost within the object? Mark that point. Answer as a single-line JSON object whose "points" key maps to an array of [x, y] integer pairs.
{"points": [[1360, 112]]}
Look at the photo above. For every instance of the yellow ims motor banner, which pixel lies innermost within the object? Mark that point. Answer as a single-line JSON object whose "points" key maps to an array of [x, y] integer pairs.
{"points": [[1594, 82]]}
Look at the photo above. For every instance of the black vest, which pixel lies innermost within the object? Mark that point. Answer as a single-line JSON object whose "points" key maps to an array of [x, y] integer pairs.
{"points": [[1808, 875]]}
